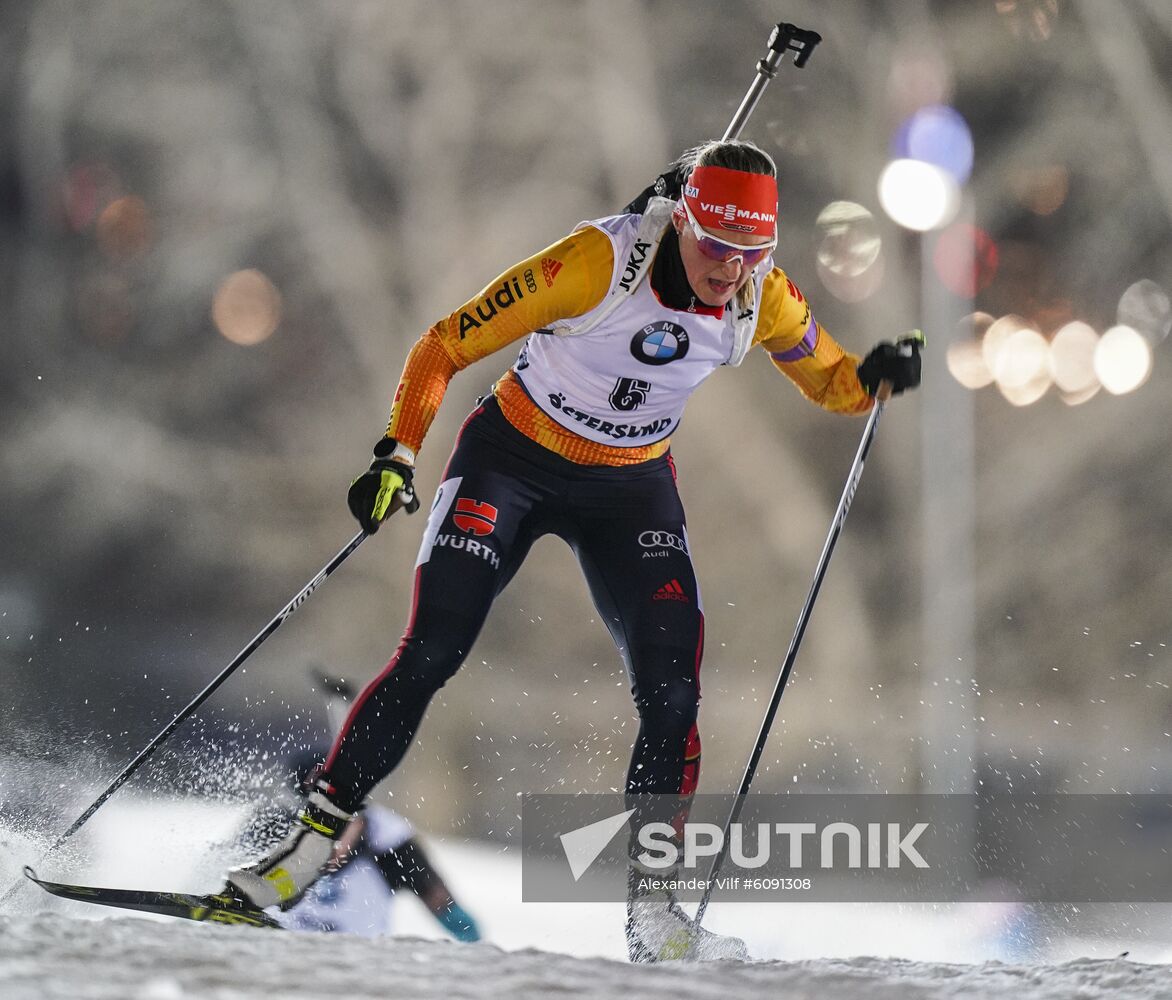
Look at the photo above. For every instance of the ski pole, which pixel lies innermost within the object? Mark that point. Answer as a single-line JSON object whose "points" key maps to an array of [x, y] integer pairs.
{"points": [[785, 38], [801, 41], [844, 504], [296, 602]]}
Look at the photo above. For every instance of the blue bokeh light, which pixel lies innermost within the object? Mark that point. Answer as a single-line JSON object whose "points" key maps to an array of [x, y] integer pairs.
{"points": [[939, 135]]}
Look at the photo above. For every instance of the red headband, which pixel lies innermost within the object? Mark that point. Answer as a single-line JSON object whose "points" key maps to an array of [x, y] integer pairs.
{"points": [[733, 200]]}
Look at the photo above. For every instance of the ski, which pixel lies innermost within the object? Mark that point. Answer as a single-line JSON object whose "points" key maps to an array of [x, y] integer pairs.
{"points": [[212, 909]]}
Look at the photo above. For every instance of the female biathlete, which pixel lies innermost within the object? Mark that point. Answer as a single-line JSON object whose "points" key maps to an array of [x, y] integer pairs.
{"points": [[621, 321]]}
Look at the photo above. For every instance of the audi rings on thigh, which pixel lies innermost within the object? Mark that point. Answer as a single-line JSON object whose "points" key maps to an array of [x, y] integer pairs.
{"points": [[663, 540]]}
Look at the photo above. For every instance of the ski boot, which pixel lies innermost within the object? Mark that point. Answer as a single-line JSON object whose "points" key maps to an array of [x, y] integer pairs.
{"points": [[658, 929], [283, 876]]}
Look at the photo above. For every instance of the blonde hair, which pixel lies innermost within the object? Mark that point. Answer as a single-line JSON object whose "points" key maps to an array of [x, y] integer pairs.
{"points": [[732, 154]]}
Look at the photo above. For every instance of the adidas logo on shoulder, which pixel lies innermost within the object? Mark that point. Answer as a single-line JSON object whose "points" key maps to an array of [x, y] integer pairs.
{"points": [[670, 592]]}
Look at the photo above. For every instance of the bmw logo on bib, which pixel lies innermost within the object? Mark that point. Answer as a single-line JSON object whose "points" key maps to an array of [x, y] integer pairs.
{"points": [[659, 343]]}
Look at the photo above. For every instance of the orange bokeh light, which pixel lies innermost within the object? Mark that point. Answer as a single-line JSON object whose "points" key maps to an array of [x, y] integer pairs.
{"points": [[246, 308], [124, 227], [1042, 190]]}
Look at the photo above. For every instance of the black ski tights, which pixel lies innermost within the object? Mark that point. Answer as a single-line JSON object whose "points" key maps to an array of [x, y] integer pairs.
{"points": [[500, 493]]}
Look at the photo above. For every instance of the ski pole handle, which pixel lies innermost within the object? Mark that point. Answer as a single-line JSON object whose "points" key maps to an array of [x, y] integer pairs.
{"points": [[784, 38], [789, 37]]}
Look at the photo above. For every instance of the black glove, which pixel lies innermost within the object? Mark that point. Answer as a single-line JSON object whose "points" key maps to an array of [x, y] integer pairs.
{"points": [[382, 489], [897, 363]]}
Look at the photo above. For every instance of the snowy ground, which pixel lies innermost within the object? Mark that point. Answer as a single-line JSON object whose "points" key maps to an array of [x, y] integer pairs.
{"points": [[54, 948], [51, 956]]}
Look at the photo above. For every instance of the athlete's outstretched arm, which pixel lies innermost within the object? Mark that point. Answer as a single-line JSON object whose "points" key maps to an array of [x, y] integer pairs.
{"points": [[564, 280]]}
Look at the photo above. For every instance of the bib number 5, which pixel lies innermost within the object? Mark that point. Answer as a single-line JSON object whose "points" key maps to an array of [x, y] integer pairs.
{"points": [[629, 394]]}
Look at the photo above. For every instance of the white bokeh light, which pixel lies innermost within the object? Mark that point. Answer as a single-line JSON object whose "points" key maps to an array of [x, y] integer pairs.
{"points": [[850, 261], [1022, 367], [965, 357], [917, 195], [1024, 358], [1123, 360], [1026, 394], [1072, 358], [966, 364], [1147, 309], [995, 336], [1078, 398]]}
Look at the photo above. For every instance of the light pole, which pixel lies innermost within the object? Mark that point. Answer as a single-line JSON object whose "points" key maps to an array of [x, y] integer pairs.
{"points": [[922, 190], [948, 759]]}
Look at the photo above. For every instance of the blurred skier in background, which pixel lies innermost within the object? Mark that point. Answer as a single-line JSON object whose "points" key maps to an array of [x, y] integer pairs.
{"points": [[375, 856], [620, 321]]}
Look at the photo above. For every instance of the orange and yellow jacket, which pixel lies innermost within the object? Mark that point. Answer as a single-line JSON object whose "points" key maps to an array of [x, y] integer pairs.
{"points": [[583, 264]]}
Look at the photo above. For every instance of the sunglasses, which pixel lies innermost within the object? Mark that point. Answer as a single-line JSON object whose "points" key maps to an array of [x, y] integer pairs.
{"points": [[722, 250]]}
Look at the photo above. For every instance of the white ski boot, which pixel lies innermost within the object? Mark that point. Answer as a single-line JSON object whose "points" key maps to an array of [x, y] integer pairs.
{"points": [[658, 929], [283, 876]]}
